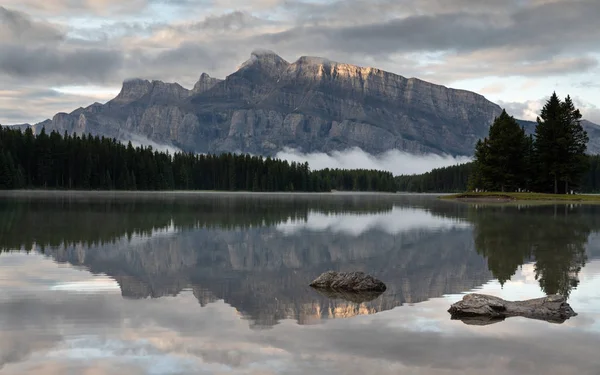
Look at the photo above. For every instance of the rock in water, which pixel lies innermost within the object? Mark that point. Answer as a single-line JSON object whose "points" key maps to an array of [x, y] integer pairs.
{"points": [[348, 281], [479, 306]]}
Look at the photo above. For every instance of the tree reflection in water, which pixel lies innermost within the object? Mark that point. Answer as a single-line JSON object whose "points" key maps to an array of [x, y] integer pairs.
{"points": [[553, 236]]}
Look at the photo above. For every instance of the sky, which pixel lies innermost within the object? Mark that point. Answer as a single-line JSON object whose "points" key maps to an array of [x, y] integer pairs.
{"points": [[62, 54]]}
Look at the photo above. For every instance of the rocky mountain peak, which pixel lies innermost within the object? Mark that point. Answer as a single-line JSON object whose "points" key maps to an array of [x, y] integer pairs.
{"points": [[267, 56], [320, 67], [205, 83], [314, 60], [265, 61], [173, 91], [313, 104], [133, 89]]}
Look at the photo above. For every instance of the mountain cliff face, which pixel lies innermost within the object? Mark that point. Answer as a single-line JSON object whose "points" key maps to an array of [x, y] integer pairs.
{"points": [[312, 104]]}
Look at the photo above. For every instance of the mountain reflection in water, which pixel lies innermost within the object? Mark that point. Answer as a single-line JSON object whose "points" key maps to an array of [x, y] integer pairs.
{"points": [[258, 253]]}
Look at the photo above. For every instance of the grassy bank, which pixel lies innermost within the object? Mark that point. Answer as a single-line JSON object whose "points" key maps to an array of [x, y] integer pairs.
{"points": [[510, 197]]}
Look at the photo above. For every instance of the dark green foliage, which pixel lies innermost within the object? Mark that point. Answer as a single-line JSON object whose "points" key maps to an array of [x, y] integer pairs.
{"points": [[440, 180], [50, 222], [71, 162], [590, 183], [554, 236], [552, 162], [560, 144], [500, 158], [452, 179]]}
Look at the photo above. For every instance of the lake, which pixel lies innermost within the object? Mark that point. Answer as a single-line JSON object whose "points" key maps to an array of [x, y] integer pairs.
{"points": [[212, 283]]}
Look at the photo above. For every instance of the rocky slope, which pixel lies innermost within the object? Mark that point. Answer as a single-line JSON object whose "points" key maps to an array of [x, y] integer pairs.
{"points": [[312, 104]]}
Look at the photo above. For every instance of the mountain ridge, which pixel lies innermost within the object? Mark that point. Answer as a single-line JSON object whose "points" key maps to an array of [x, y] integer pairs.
{"points": [[313, 105]]}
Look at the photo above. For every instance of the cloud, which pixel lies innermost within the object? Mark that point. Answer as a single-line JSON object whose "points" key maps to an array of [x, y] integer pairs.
{"points": [[19, 27], [71, 42], [399, 220], [528, 110], [394, 161], [531, 109], [78, 7], [22, 98], [589, 111], [80, 65], [139, 140], [493, 88]]}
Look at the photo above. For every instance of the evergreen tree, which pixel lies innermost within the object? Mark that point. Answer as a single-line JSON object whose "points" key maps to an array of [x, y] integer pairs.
{"points": [[560, 144], [577, 139], [500, 158], [73, 162]]}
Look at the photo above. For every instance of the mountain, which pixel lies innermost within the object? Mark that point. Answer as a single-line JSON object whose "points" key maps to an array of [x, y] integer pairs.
{"points": [[312, 104]]}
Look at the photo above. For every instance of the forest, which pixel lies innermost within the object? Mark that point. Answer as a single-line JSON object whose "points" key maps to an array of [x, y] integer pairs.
{"points": [[54, 161], [455, 179], [552, 160]]}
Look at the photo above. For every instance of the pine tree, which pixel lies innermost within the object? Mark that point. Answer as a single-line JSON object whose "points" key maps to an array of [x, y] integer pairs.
{"points": [[500, 158], [577, 139], [560, 144], [5, 175]]}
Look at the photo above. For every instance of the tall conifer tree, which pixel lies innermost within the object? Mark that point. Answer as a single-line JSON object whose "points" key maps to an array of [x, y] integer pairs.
{"points": [[560, 144], [500, 158]]}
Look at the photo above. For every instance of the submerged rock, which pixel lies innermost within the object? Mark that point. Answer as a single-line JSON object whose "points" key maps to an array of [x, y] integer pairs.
{"points": [[348, 281], [480, 309]]}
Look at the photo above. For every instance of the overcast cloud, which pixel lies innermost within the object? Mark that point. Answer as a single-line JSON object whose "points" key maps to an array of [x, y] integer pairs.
{"points": [[514, 51]]}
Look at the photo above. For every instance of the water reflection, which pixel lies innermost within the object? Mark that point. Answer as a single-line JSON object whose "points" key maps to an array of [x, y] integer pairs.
{"points": [[258, 253], [55, 333], [178, 285], [554, 237]]}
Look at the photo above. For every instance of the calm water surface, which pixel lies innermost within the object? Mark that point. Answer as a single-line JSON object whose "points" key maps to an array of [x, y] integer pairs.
{"points": [[217, 284]]}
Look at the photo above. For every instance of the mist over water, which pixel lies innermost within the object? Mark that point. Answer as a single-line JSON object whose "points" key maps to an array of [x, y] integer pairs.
{"points": [[395, 161]]}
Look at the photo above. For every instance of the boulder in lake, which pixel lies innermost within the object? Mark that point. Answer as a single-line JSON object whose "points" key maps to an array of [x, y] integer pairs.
{"points": [[480, 308], [348, 281]]}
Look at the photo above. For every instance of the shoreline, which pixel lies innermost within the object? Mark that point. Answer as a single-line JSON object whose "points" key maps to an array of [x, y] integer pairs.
{"points": [[33, 193], [495, 197]]}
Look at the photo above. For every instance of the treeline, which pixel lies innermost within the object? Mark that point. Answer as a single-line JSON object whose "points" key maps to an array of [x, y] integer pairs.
{"points": [[553, 160], [452, 179], [52, 161]]}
